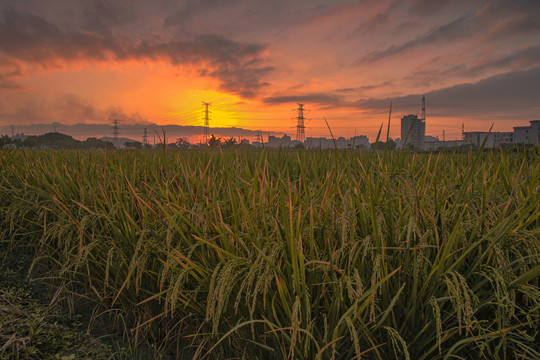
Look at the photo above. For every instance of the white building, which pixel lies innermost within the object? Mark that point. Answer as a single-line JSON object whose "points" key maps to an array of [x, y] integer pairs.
{"points": [[413, 132], [527, 134], [436, 144], [503, 138], [355, 142], [476, 138]]}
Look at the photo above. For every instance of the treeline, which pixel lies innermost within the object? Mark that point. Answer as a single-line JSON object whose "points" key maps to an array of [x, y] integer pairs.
{"points": [[55, 140]]}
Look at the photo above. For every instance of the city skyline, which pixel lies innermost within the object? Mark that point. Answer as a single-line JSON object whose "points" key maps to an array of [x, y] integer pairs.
{"points": [[147, 62]]}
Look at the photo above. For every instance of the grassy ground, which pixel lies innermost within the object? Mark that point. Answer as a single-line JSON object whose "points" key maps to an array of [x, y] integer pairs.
{"points": [[34, 324], [289, 254]]}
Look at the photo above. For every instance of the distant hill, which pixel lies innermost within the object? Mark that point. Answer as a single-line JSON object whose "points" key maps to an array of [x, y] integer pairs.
{"points": [[135, 131]]}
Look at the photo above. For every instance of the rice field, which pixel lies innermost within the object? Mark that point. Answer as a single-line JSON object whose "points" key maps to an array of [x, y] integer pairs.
{"points": [[288, 254]]}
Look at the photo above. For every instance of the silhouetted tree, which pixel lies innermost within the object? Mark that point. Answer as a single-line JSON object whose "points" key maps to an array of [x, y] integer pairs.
{"points": [[230, 142], [133, 145], [182, 143], [214, 142]]}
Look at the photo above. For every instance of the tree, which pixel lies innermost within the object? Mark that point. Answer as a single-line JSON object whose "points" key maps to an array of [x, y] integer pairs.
{"points": [[133, 145], [182, 143], [230, 142], [95, 143], [381, 145], [214, 142]]}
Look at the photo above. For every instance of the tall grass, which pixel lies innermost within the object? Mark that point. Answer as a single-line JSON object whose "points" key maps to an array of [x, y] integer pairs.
{"points": [[277, 254]]}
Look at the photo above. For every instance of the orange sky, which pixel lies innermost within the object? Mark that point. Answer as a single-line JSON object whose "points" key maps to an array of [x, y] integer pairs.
{"points": [[148, 62]]}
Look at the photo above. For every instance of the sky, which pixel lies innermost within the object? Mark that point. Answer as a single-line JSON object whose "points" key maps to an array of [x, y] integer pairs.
{"points": [[154, 62]]}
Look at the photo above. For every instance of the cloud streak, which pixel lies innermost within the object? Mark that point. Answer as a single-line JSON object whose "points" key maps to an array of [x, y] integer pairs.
{"points": [[326, 99]]}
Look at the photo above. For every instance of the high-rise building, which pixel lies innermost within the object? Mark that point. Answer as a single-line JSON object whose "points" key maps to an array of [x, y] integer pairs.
{"points": [[413, 132]]}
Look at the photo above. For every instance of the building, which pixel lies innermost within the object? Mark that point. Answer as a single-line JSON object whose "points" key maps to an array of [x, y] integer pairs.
{"points": [[494, 139], [527, 134], [503, 138], [355, 142], [20, 137], [276, 142], [413, 132], [476, 138]]}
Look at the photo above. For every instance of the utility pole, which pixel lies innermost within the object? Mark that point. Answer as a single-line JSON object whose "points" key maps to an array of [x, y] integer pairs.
{"points": [[423, 108], [145, 138], [300, 128], [115, 132], [443, 136], [206, 113]]}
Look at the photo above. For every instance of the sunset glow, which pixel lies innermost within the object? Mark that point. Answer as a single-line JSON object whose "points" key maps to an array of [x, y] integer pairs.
{"points": [[154, 63]]}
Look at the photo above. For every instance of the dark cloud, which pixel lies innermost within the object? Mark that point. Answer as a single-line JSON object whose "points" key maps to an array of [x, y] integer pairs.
{"points": [[503, 19], [32, 39], [9, 72], [522, 59], [246, 81], [450, 31], [193, 8], [507, 92], [327, 99], [101, 15], [439, 68]]}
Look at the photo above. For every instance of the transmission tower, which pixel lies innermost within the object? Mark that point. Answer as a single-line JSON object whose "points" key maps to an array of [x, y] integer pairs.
{"points": [[115, 132], [300, 128], [12, 131], [206, 118], [145, 138]]}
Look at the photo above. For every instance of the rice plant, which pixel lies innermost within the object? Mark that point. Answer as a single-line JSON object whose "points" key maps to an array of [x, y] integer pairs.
{"points": [[290, 254]]}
